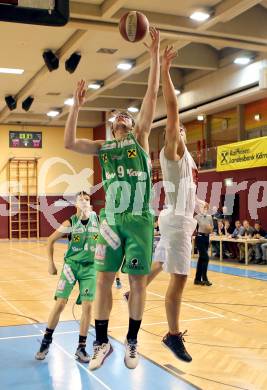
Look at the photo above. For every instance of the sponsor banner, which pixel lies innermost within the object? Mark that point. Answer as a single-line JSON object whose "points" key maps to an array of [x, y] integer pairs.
{"points": [[242, 155]]}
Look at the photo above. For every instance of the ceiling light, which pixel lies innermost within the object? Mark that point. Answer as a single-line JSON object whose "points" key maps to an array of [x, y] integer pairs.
{"points": [[199, 16], [51, 60], [242, 60], [133, 109], [69, 101], [11, 102], [228, 182], [11, 71], [26, 104], [257, 117], [72, 63], [125, 65], [200, 117], [177, 92], [94, 86], [53, 113]]}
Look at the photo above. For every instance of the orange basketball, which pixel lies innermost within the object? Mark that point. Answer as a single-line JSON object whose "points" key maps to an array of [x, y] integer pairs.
{"points": [[133, 26]]}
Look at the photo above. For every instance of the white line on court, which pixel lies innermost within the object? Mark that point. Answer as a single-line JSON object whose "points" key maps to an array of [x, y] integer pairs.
{"points": [[188, 304], [165, 322], [80, 365], [29, 253], [61, 348], [110, 328], [37, 335], [205, 310], [33, 255]]}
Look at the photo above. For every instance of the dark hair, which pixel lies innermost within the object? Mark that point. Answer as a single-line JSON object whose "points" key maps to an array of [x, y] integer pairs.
{"points": [[82, 193]]}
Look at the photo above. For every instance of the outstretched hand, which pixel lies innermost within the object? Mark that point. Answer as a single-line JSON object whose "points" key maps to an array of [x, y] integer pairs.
{"points": [[168, 56], [79, 94], [155, 37]]}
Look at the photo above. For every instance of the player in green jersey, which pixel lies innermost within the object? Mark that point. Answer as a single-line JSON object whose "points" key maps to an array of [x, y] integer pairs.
{"points": [[83, 230], [126, 223]]}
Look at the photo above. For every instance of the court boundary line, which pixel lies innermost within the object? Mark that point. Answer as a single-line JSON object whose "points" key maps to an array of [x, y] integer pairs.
{"points": [[215, 268], [165, 322], [83, 367], [34, 255], [110, 328]]}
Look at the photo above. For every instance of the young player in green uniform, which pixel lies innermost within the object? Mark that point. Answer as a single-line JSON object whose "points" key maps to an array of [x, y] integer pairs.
{"points": [[83, 231], [126, 223]]}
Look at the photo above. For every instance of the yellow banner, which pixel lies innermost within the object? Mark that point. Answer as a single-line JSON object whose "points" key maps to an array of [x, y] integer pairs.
{"points": [[242, 155]]}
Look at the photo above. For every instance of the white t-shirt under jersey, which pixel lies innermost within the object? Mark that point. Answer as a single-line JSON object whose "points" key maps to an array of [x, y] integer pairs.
{"points": [[179, 180]]}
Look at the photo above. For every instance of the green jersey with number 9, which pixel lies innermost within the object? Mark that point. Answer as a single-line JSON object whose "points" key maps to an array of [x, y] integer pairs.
{"points": [[126, 175]]}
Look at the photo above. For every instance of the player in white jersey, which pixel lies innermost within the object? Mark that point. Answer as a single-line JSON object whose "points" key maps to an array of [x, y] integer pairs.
{"points": [[176, 221]]}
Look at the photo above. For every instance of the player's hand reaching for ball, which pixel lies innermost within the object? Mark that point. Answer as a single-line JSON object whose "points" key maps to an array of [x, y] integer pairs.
{"points": [[52, 270], [167, 57], [79, 94], [155, 37]]}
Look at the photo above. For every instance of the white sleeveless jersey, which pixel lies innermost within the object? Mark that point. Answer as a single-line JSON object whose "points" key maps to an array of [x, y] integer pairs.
{"points": [[179, 181]]}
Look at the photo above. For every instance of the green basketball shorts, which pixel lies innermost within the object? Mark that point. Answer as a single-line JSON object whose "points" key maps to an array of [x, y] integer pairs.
{"points": [[84, 274], [127, 244]]}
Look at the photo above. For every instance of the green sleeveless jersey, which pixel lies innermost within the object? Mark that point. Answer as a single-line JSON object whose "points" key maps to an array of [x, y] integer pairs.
{"points": [[126, 175], [83, 240]]}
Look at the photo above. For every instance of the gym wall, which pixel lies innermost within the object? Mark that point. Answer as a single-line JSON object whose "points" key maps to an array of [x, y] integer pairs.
{"points": [[65, 170]]}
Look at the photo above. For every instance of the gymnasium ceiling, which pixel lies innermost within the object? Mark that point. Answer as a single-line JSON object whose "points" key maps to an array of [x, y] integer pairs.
{"points": [[235, 27]]}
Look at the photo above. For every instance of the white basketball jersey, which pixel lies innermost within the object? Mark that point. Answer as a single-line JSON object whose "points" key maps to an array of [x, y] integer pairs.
{"points": [[179, 180]]}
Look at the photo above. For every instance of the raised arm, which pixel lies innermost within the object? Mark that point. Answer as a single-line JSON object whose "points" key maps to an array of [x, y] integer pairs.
{"points": [[147, 112], [60, 232], [71, 142], [174, 143]]}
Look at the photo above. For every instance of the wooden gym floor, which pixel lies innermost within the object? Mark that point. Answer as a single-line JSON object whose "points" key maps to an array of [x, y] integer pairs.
{"points": [[226, 323]]}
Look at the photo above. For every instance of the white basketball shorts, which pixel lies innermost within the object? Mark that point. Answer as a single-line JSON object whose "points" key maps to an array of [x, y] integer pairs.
{"points": [[175, 245]]}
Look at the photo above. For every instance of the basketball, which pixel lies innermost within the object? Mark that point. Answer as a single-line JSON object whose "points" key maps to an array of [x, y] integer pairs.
{"points": [[133, 26]]}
